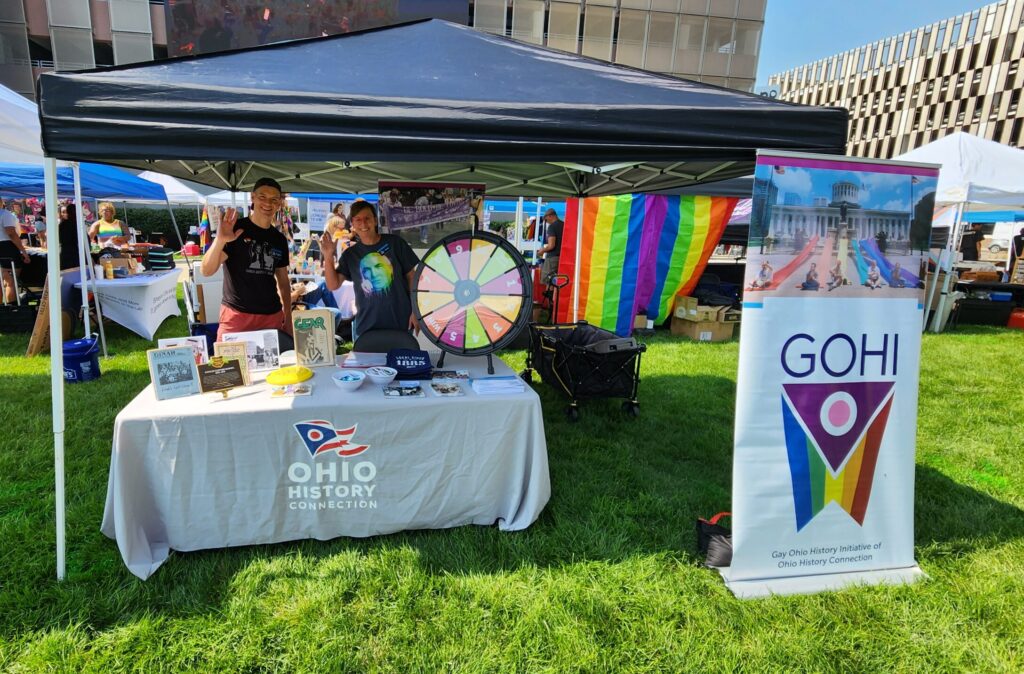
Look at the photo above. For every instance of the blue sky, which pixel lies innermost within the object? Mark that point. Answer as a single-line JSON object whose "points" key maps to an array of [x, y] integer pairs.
{"points": [[801, 31], [884, 191]]}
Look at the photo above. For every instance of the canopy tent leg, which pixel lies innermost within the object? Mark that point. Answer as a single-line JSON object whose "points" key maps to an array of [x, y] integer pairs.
{"points": [[87, 270], [82, 255], [952, 240], [519, 225], [56, 356], [181, 244]]}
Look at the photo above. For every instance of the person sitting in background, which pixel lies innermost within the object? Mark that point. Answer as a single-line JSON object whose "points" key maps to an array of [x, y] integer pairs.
{"points": [[107, 231], [811, 280], [764, 276], [897, 277], [874, 277], [835, 277]]}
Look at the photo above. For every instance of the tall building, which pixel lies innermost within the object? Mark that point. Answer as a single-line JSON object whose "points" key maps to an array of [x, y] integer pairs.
{"points": [[960, 74], [714, 41]]}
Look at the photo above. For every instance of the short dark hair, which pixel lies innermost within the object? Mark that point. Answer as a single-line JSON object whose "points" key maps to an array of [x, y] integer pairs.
{"points": [[358, 207], [267, 182], [550, 211]]}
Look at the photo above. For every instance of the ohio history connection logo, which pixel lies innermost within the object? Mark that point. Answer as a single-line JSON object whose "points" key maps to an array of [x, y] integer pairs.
{"points": [[321, 437], [833, 432]]}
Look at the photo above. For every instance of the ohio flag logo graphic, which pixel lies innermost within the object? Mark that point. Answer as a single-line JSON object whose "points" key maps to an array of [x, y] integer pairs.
{"points": [[321, 437], [833, 432]]}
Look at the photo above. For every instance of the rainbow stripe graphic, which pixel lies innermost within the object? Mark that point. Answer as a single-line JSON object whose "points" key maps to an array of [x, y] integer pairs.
{"points": [[204, 231], [637, 252], [833, 434]]}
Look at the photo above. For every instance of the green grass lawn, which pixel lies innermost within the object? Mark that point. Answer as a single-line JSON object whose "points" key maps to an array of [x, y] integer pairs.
{"points": [[605, 581]]}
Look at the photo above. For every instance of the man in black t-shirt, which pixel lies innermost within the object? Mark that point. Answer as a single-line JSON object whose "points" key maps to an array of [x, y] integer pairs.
{"points": [[254, 253], [380, 267], [552, 244]]}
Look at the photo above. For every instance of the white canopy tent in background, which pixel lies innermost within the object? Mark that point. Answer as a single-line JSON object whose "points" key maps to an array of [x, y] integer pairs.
{"points": [[19, 129], [974, 171], [177, 191]]}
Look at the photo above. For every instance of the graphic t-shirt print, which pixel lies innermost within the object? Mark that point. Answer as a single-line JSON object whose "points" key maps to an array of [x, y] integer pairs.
{"points": [[377, 274], [261, 257]]}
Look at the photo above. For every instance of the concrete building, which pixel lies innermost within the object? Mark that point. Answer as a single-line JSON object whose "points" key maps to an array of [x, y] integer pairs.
{"points": [[714, 41], [904, 91]]}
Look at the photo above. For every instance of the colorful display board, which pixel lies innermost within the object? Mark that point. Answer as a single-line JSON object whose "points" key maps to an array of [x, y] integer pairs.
{"points": [[826, 404], [472, 293]]}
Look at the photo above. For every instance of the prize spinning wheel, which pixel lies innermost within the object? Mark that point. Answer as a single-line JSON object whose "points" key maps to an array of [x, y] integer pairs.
{"points": [[472, 294]]}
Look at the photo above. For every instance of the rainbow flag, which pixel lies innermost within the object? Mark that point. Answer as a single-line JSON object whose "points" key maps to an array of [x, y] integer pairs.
{"points": [[204, 231], [637, 252]]}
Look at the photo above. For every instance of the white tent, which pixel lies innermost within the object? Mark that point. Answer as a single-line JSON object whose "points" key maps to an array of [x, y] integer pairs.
{"points": [[19, 129], [177, 191], [240, 199], [974, 170]]}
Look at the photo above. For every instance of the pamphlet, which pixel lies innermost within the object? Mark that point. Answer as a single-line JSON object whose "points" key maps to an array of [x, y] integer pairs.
{"points": [[451, 374], [447, 389], [500, 385], [235, 351], [404, 389], [198, 345], [292, 390], [173, 372], [314, 337]]}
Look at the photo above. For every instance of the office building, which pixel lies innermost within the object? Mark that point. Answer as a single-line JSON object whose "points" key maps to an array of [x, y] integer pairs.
{"points": [[714, 41], [906, 90]]}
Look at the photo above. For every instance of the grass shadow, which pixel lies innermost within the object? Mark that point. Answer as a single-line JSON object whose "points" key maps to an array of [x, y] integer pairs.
{"points": [[958, 517]]}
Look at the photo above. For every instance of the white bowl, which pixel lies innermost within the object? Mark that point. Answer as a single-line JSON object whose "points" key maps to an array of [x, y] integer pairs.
{"points": [[348, 380], [381, 375]]}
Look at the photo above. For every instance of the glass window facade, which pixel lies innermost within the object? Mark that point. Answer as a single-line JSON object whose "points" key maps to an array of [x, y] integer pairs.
{"points": [[489, 16], [72, 48], [130, 15], [689, 44], [598, 25], [528, 21], [629, 47], [132, 47], [563, 26], [69, 13]]}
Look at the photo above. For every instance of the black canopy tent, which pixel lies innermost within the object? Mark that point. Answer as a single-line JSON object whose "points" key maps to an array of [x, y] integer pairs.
{"points": [[424, 100], [427, 100]]}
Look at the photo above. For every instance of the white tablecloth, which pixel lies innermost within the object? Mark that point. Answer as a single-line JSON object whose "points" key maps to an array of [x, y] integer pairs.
{"points": [[202, 472], [141, 302]]}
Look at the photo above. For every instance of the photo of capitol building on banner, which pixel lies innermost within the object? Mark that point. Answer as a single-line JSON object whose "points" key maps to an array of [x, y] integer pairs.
{"points": [[839, 233]]}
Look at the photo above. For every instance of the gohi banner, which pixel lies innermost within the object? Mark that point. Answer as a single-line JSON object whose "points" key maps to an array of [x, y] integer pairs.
{"points": [[637, 252], [826, 404]]}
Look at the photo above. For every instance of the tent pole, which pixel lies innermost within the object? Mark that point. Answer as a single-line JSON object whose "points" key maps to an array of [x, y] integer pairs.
{"points": [[954, 239], [519, 225], [576, 267], [80, 224], [56, 355], [174, 224]]}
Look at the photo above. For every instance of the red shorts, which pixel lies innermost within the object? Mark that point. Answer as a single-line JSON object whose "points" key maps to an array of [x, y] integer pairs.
{"points": [[232, 320]]}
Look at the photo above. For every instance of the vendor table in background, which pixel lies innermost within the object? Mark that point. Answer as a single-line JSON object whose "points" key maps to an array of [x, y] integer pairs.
{"points": [[204, 472], [140, 302]]}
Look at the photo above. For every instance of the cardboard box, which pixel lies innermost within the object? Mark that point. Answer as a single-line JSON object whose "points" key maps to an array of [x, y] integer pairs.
{"points": [[686, 307], [640, 322], [731, 315], [702, 331]]}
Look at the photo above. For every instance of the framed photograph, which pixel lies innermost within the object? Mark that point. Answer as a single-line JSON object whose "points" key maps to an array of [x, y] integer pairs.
{"points": [[220, 375], [263, 348], [173, 372], [314, 337]]}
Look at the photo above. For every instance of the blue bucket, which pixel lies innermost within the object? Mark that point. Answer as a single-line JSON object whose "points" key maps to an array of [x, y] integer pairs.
{"points": [[81, 360]]}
